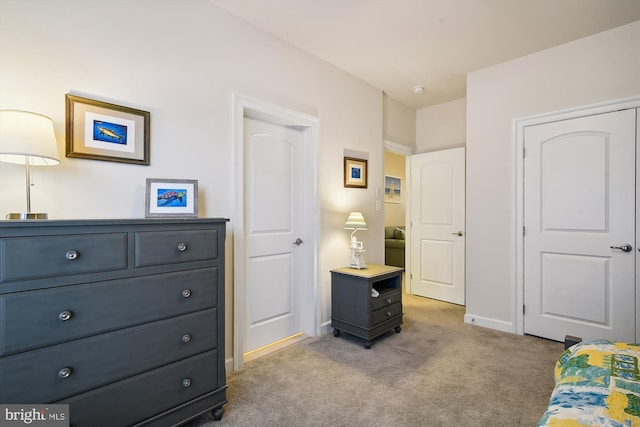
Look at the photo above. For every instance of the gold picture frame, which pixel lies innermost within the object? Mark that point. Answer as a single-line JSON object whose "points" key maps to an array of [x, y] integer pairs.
{"points": [[355, 172], [99, 130]]}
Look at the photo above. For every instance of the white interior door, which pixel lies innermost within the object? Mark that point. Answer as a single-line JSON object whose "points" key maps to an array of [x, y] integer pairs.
{"points": [[579, 205], [437, 225], [273, 224]]}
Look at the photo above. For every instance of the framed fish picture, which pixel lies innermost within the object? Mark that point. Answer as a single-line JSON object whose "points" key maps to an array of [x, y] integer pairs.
{"points": [[171, 198], [98, 130]]}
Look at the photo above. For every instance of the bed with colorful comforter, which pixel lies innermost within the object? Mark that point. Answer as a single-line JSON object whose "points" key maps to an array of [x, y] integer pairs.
{"points": [[597, 384]]}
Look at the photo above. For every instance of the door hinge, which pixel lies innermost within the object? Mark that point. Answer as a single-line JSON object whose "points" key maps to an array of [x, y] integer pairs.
{"points": [[523, 309], [524, 152], [524, 231]]}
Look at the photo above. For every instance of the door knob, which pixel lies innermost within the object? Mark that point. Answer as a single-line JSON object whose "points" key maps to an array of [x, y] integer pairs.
{"points": [[459, 233], [297, 242], [623, 248]]}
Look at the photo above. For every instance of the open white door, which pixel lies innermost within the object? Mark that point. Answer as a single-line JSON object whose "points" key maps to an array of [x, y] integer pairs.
{"points": [[579, 213], [437, 225]]}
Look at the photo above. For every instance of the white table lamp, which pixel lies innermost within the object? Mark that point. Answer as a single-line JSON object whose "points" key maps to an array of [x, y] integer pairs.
{"points": [[356, 222], [29, 139]]}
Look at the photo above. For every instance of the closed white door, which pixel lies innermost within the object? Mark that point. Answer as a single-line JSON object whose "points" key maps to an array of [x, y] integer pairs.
{"points": [[437, 225], [579, 213], [273, 223]]}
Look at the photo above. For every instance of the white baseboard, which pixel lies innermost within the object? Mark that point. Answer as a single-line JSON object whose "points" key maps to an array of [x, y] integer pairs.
{"points": [[325, 328], [487, 322]]}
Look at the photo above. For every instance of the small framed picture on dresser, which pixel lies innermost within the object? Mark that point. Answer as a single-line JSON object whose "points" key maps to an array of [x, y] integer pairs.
{"points": [[171, 198]]}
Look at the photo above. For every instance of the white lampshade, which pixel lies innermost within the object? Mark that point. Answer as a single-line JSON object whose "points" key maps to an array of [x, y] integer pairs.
{"points": [[27, 139], [25, 135], [355, 222]]}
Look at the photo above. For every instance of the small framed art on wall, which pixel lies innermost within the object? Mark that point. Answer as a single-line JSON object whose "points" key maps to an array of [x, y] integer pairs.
{"points": [[355, 172]]}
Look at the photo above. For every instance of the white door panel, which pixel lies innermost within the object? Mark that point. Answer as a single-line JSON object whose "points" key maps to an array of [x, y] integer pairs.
{"points": [[273, 222], [583, 280], [437, 181], [574, 179], [270, 160], [437, 225], [579, 199]]}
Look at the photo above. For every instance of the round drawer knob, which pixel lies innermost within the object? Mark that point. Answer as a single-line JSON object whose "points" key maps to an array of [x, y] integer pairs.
{"points": [[186, 338], [72, 255], [182, 247], [186, 382], [388, 313], [64, 373], [186, 293], [65, 315], [388, 300]]}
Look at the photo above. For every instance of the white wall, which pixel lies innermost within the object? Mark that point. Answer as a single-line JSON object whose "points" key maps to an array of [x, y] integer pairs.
{"points": [[182, 61], [595, 69], [441, 126], [399, 124]]}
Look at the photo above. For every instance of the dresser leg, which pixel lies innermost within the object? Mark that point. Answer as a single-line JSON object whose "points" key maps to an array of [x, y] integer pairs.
{"points": [[397, 329], [368, 344], [336, 332]]}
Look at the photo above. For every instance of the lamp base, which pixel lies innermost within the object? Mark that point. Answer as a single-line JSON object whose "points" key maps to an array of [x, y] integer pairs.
{"points": [[29, 215], [356, 256]]}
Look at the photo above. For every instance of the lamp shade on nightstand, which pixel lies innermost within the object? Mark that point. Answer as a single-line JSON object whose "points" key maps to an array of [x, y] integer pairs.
{"points": [[355, 222]]}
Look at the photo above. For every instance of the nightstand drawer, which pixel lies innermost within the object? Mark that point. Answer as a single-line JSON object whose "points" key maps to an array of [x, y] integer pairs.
{"points": [[386, 313], [63, 370], [33, 257], [170, 247], [38, 318], [386, 299], [130, 401]]}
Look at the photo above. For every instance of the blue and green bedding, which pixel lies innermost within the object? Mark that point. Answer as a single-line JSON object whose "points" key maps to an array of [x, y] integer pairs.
{"points": [[597, 384]]}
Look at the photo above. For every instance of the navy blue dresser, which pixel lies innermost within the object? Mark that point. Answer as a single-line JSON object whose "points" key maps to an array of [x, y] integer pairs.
{"points": [[121, 319]]}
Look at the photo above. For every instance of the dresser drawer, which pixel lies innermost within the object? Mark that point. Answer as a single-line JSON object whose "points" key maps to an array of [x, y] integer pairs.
{"points": [[129, 401], [33, 257], [386, 313], [170, 247], [39, 376], [38, 318], [386, 299]]}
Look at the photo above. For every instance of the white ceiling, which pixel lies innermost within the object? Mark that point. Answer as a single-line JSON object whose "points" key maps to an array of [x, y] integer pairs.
{"points": [[397, 44]]}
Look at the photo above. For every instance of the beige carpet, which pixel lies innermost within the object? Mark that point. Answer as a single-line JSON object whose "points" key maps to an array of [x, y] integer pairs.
{"points": [[437, 372]]}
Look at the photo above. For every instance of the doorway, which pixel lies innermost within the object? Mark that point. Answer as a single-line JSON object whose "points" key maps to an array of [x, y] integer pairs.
{"points": [[395, 215], [395, 195], [276, 231]]}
